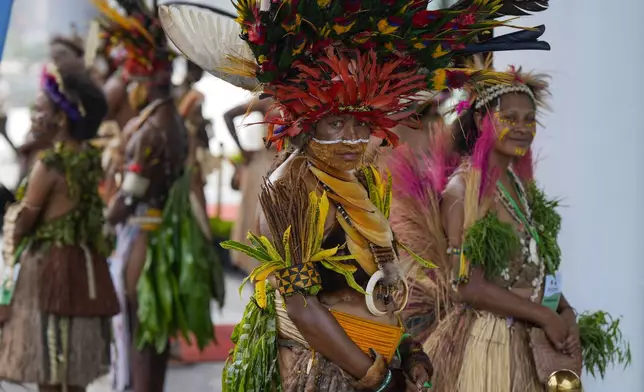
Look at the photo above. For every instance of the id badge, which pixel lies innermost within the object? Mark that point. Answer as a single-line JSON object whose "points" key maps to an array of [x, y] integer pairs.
{"points": [[552, 291]]}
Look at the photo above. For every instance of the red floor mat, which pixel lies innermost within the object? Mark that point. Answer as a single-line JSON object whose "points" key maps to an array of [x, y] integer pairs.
{"points": [[189, 353]]}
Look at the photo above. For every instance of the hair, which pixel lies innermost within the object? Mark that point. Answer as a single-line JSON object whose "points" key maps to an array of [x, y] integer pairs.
{"points": [[192, 67], [81, 89], [470, 141], [6, 198], [72, 44]]}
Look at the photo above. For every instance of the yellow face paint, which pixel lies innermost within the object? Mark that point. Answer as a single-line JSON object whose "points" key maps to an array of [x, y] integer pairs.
{"points": [[504, 133], [520, 151]]}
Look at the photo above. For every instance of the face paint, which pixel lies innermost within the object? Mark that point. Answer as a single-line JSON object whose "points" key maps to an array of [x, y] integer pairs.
{"points": [[343, 155], [345, 142], [520, 151], [504, 133]]}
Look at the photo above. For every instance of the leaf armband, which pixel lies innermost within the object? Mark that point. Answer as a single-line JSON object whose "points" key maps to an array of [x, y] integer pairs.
{"points": [[299, 278]]}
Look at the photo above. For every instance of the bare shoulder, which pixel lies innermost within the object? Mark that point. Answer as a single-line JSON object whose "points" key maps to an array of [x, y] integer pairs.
{"points": [[455, 189]]}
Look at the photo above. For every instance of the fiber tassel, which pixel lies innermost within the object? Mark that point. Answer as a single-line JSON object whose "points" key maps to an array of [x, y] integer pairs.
{"points": [[309, 365], [487, 357]]}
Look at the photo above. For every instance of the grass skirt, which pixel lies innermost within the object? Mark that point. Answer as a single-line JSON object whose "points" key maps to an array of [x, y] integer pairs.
{"points": [[38, 347], [324, 376], [478, 352]]}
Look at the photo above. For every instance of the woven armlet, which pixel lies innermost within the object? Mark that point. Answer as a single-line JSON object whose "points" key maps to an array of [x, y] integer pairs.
{"points": [[299, 278]]}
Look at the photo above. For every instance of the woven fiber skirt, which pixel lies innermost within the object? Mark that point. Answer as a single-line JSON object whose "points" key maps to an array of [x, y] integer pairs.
{"points": [[479, 352], [39, 347], [323, 376]]}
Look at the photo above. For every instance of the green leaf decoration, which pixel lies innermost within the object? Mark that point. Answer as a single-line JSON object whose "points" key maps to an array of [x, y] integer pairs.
{"points": [[418, 259], [602, 343], [491, 244], [548, 225], [253, 364], [180, 278], [346, 270]]}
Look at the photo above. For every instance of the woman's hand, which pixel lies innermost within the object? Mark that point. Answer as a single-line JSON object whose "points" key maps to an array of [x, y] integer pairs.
{"points": [[572, 345], [420, 374], [556, 330]]}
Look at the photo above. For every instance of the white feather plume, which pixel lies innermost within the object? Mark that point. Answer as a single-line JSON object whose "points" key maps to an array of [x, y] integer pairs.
{"points": [[209, 40]]}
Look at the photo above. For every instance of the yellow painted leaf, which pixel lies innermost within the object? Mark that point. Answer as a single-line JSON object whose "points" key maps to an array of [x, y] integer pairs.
{"points": [[258, 272], [348, 275], [260, 293], [265, 273], [418, 259], [270, 249], [286, 243], [324, 254]]}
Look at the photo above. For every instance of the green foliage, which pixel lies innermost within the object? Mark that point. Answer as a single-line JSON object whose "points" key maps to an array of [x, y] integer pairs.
{"points": [[84, 224], [491, 243], [180, 277], [548, 222], [253, 364], [602, 342], [221, 228]]}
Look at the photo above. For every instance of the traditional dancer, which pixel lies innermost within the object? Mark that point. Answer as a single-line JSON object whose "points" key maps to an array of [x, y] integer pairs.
{"points": [[498, 249], [340, 73], [56, 322], [165, 269]]}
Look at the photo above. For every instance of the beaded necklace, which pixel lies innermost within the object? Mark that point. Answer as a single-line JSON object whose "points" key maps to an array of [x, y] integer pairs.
{"points": [[530, 253]]}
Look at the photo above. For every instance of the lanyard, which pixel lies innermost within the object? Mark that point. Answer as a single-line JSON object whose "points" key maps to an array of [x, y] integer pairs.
{"points": [[529, 226]]}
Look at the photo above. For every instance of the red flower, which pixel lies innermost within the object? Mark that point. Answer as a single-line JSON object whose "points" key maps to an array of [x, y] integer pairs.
{"points": [[321, 45], [257, 34], [352, 5], [401, 45], [456, 79], [466, 19], [368, 45], [268, 66], [395, 21], [135, 168], [425, 17]]}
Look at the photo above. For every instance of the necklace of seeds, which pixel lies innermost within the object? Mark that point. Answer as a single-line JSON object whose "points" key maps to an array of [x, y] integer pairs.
{"points": [[530, 253]]}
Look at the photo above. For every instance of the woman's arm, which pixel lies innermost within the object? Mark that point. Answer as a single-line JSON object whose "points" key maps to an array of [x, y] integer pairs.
{"points": [[320, 329], [240, 110], [478, 292], [323, 333], [41, 183]]}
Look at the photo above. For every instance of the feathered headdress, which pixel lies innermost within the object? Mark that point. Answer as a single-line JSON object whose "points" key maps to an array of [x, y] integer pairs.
{"points": [[137, 34], [516, 80], [315, 58], [51, 82]]}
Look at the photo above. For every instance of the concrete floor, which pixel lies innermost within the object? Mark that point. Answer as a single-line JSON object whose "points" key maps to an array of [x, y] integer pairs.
{"points": [[193, 378]]}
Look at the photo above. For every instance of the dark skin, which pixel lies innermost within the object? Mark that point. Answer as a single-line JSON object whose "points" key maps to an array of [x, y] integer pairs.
{"points": [[515, 128], [311, 314], [116, 93], [155, 145], [262, 106], [47, 194]]}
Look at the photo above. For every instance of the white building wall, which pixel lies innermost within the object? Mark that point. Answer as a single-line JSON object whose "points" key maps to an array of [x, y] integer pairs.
{"points": [[591, 156]]}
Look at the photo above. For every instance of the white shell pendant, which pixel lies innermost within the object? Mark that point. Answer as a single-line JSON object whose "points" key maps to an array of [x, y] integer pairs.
{"points": [[534, 255]]}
